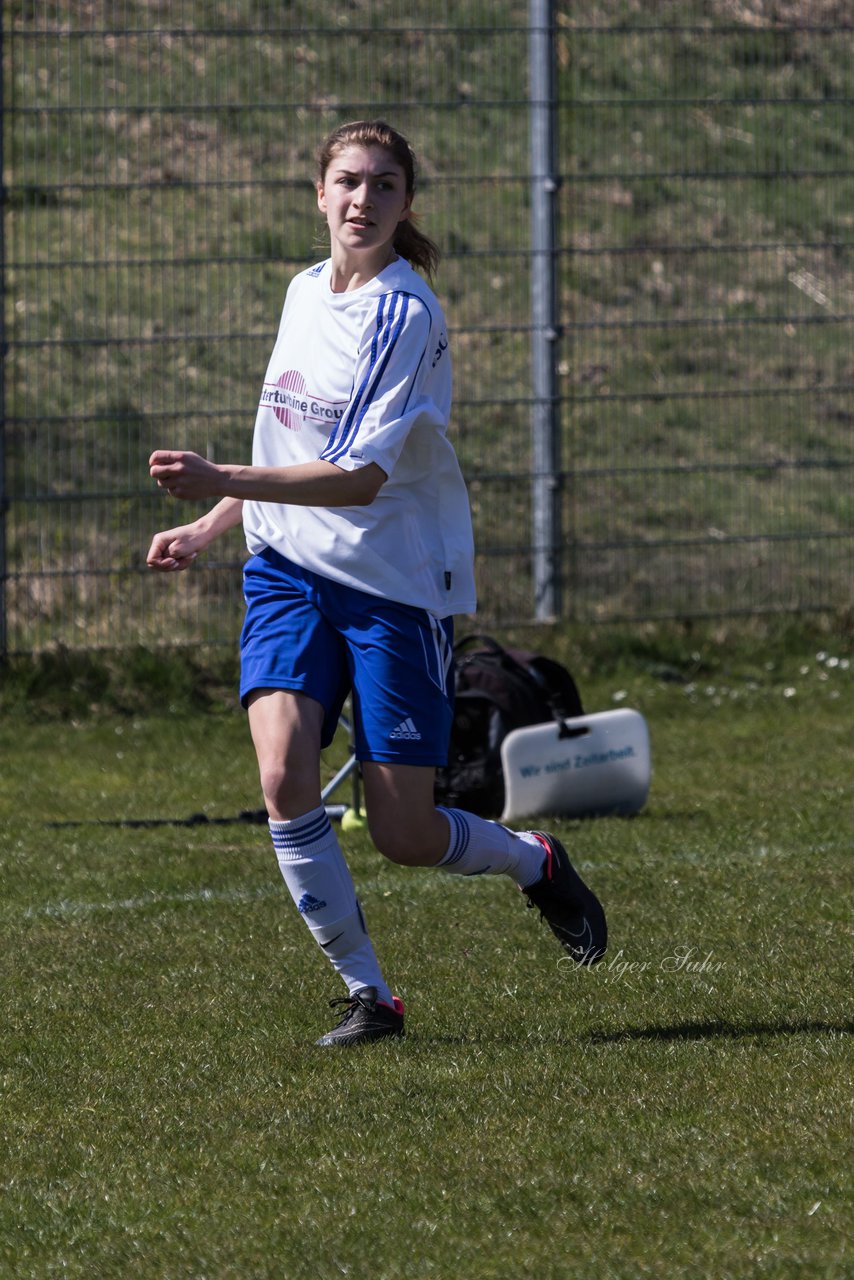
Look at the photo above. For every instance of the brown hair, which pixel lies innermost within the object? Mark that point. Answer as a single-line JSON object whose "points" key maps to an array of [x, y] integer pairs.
{"points": [[409, 242]]}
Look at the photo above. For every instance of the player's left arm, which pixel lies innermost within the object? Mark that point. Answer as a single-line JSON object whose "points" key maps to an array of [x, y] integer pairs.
{"points": [[187, 475]]}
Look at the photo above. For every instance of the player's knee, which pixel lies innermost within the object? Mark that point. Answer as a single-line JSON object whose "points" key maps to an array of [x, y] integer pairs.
{"points": [[287, 792], [406, 840], [273, 781]]}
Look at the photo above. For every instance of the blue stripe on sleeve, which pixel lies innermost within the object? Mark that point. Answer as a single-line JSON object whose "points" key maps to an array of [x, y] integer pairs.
{"points": [[390, 324], [342, 426]]}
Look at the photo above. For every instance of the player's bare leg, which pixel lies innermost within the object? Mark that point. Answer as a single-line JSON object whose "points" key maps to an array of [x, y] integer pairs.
{"points": [[286, 731], [407, 827]]}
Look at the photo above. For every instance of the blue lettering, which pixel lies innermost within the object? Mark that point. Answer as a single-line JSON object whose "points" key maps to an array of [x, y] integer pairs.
{"points": [[440, 350]]}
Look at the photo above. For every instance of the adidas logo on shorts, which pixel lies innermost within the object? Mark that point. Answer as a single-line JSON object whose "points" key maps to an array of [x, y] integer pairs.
{"points": [[405, 731]]}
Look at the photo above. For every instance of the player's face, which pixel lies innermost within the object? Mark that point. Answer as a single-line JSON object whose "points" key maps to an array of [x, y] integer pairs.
{"points": [[364, 197]]}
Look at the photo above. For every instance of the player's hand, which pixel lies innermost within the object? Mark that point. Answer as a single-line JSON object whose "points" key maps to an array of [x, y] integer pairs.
{"points": [[175, 549], [184, 475]]}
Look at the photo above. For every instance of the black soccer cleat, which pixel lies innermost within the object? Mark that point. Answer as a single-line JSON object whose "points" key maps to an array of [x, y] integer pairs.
{"points": [[571, 910], [365, 1018]]}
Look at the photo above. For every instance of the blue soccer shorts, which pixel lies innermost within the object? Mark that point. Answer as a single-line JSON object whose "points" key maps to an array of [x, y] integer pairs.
{"points": [[324, 639]]}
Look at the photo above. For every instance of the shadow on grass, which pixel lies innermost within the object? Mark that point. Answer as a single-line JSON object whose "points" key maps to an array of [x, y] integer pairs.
{"points": [[720, 1030], [256, 816], [686, 1031]]}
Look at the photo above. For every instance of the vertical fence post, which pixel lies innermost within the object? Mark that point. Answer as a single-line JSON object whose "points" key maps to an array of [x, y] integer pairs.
{"points": [[4, 501], [545, 496]]}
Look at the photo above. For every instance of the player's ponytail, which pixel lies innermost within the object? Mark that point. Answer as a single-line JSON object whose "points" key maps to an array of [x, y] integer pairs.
{"points": [[409, 242], [417, 248]]}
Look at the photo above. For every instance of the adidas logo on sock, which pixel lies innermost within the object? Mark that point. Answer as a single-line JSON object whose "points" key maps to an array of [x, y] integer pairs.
{"points": [[307, 904], [405, 731]]}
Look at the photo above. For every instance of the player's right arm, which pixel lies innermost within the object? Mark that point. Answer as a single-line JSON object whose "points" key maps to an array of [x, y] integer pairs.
{"points": [[177, 548]]}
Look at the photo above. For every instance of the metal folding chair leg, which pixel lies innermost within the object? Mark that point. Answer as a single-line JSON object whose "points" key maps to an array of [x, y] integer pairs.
{"points": [[348, 770]]}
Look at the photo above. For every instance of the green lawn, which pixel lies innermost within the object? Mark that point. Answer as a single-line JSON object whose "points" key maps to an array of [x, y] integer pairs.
{"points": [[683, 1110]]}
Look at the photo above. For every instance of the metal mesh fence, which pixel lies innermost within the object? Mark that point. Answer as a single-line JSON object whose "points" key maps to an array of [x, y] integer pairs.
{"points": [[157, 167], [708, 294]]}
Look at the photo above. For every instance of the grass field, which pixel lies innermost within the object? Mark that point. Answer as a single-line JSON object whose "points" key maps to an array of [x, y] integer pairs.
{"points": [[684, 1110]]}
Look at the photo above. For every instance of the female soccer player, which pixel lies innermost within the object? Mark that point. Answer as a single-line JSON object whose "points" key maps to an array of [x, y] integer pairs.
{"points": [[357, 520]]}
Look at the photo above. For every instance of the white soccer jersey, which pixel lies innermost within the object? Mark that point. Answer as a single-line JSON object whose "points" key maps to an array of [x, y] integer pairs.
{"points": [[365, 377]]}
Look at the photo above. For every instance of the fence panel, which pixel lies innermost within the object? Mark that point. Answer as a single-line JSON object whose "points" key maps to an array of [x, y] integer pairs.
{"points": [[708, 298], [157, 180]]}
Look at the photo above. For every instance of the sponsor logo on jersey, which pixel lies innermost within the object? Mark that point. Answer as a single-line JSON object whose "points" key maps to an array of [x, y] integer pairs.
{"points": [[286, 397], [294, 406]]}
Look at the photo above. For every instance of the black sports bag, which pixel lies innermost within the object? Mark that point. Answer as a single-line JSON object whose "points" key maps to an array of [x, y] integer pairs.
{"points": [[497, 690]]}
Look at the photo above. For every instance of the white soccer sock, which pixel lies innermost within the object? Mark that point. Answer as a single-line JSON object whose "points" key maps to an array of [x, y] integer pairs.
{"points": [[478, 847], [318, 878]]}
